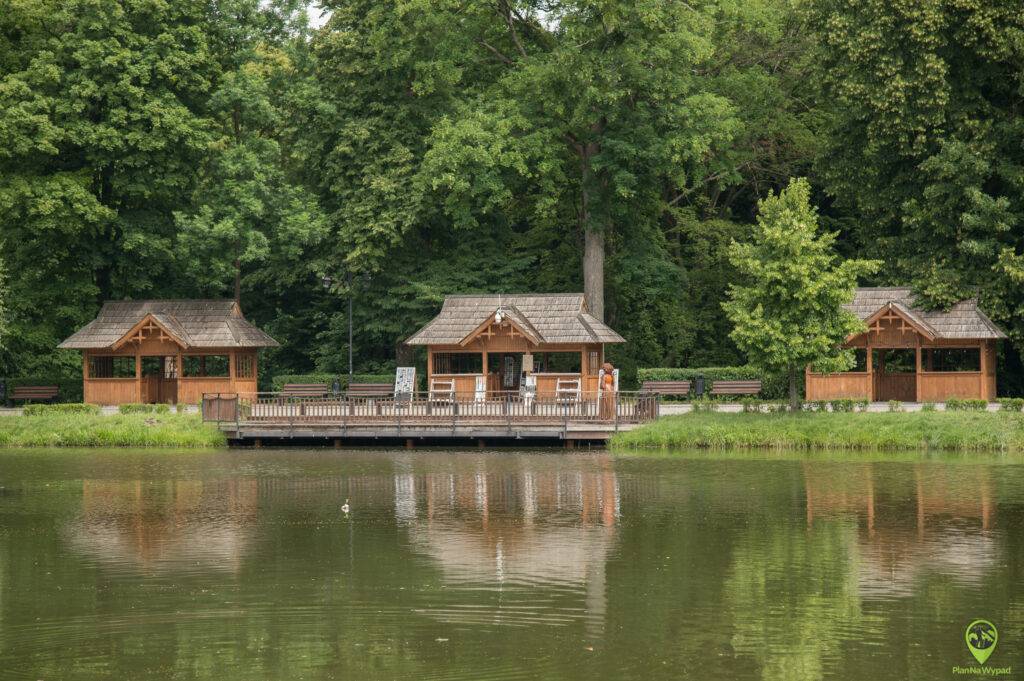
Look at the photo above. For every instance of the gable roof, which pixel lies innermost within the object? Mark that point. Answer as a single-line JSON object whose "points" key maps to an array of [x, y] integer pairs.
{"points": [[964, 320], [196, 323], [550, 317]]}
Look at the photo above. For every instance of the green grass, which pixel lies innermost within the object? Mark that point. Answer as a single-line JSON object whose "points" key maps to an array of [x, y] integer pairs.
{"points": [[948, 431], [119, 430]]}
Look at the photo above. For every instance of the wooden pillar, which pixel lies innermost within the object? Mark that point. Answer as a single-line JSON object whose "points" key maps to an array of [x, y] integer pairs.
{"points": [[85, 377], [138, 376], [983, 369], [483, 368], [917, 370], [232, 368], [179, 372], [430, 365], [871, 371], [410, 443]]}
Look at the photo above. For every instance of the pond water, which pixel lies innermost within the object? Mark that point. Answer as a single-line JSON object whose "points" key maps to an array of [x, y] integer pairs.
{"points": [[504, 565]]}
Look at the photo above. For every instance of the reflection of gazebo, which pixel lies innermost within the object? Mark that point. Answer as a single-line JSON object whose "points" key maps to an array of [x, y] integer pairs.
{"points": [[166, 527], [912, 354]]}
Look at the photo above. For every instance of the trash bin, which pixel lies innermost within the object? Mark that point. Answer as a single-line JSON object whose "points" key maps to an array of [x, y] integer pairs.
{"points": [[698, 386], [336, 387]]}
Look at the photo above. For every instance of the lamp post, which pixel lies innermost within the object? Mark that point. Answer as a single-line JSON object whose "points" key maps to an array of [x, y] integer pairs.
{"points": [[327, 281]]}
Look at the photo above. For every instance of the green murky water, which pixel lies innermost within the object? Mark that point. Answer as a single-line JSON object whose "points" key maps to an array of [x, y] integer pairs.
{"points": [[504, 565]]}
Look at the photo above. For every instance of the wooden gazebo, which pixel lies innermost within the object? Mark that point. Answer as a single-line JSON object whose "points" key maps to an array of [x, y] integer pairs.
{"points": [[485, 344], [912, 354], [168, 351]]}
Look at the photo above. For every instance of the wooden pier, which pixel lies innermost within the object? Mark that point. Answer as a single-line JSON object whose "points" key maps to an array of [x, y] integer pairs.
{"points": [[424, 418]]}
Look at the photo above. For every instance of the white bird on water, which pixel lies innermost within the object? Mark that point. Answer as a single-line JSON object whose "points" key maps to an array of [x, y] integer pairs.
{"points": [[344, 507]]}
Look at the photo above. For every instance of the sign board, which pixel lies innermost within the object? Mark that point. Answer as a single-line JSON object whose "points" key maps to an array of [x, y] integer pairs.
{"points": [[527, 363], [405, 383]]}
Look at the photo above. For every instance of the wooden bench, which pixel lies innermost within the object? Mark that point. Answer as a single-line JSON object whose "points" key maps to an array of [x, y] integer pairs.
{"points": [[35, 393], [567, 390], [305, 390], [370, 390], [735, 388], [681, 388]]}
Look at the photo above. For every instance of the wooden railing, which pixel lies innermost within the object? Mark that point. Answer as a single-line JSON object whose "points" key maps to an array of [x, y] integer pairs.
{"points": [[430, 409]]}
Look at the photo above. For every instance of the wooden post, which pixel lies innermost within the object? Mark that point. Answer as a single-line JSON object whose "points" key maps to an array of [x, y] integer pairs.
{"points": [[917, 370], [983, 368], [138, 376], [430, 365], [85, 377], [871, 372], [410, 443], [179, 372], [483, 368], [232, 369]]}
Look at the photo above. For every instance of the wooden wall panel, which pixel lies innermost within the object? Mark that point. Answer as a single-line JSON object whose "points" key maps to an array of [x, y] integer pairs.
{"points": [[854, 385], [190, 390], [110, 391], [939, 386]]}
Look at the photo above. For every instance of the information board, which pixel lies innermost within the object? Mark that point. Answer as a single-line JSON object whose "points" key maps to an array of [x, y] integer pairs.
{"points": [[405, 383]]}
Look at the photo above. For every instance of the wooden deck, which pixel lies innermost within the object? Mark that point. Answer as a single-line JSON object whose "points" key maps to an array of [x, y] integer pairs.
{"points": [[425, 417]]}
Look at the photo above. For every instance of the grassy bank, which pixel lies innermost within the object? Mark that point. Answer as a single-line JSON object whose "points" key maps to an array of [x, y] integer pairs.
{"points": [[119, 430], [951, 431]]}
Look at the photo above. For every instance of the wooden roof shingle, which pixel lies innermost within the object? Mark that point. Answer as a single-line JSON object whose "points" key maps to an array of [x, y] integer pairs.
{"points": [[551, 317], [196, 323], [962, 321]]}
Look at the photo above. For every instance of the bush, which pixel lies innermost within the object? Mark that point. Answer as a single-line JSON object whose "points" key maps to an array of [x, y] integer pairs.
{"points": [[861, 404], [895, 405], [928, 406], [704, 404], [750, 405], [1011, 403], [70, 387], [144, 408], [844, 405], [277, 383], [772, 387], [61, 408], [956, 404]]}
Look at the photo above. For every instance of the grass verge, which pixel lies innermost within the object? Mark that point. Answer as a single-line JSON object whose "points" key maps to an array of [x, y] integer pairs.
{"points": [[949, 431], [119, 430]]}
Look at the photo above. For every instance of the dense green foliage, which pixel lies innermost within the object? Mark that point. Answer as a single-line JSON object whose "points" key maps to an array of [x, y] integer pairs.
{"points": [[143, 408], [812, 430], [61, 429], [61, 408], [409, 150], [787, 310], [280, 381]]}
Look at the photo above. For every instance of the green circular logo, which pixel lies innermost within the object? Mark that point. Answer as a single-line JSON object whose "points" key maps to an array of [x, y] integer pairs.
{"points": [[981, 637]]}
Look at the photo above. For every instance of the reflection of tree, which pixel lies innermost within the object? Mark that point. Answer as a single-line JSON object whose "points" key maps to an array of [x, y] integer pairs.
{"points": [[794, 596]]}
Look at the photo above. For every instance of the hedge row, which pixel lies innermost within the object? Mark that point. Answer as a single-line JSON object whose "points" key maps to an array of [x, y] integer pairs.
{"points": [[277, 383], [772, 387], [70, 388], [136, 408], [61, 408]]}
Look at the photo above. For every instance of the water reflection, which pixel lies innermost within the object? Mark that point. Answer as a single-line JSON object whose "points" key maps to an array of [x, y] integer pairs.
{"points": [[502, 565]]}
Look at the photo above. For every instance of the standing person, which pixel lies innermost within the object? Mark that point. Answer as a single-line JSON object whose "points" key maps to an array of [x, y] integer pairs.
{"points": [[608, 391]]}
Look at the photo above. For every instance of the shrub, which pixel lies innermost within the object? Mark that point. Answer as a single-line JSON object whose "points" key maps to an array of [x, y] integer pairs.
{"points": [[818, 405], [144, 408], [928, 406], [750, 405], [861, 404], [61, 408], [895, 405], [1011, 403], [956, 404], [277, 383], [704, 404], [843, 405], [772, 387]]}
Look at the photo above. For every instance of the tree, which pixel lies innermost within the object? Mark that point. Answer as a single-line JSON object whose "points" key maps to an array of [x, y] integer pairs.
{"points": [[788, 310], [922, 108]]}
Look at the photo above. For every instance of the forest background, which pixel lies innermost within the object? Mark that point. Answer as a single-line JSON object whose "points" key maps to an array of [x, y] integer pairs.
{"points": [[407, 150]]}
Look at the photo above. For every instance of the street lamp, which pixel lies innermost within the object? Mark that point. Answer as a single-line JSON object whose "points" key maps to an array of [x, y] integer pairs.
{"points": [[327, 281]]}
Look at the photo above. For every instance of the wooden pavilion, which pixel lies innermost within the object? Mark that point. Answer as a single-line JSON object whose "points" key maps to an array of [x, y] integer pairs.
{"points": [[167, 351], [479, 345], [912, 354]]}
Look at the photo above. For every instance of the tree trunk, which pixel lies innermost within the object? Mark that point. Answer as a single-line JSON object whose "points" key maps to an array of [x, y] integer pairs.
{"points": [[794, 394], [593, 230]]}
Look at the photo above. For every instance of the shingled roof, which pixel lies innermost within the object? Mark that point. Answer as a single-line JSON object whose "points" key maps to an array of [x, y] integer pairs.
{"points": [[544, 318], [196, 323], [963, 320]]}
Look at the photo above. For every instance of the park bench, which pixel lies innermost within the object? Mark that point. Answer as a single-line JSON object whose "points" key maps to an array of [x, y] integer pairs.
{"points": [[677, 388], [35, 393], [370, 390], [735, 388], [305, 390]]}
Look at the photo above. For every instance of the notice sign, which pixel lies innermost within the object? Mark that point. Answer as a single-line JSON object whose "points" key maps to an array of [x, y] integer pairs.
{"points": [[405, 383]]}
